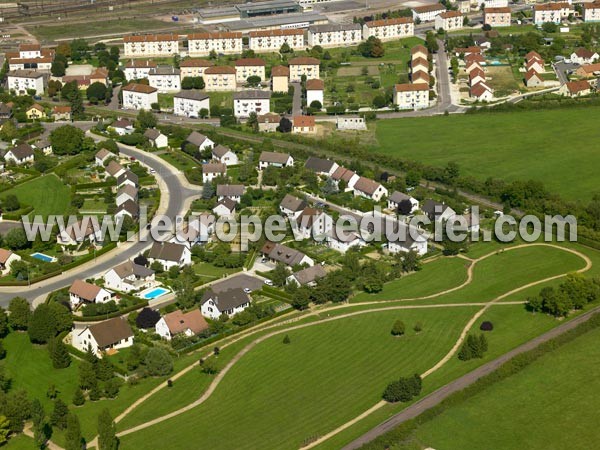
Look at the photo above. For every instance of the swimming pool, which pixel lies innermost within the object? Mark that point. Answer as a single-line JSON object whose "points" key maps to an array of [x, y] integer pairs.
{"points": [[43, 257], [154, 293]]}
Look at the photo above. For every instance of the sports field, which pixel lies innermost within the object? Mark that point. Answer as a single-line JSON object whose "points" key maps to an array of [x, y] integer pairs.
{"points": [[550, 404], [556, 147]]}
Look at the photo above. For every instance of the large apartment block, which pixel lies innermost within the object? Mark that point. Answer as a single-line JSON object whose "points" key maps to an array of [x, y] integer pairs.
{"points": [[427, 13], [165, 79], [449, 20], [335, 35], [304, 65], [137, 69], [189, 103], [151, 45], [249, 67], [30, 57], [591, 12], [194, 67], [551, 12], [220, 78], [497, 17], [411, 95], [201, 44], [139, 96], [22, 81], [272, 40], [388, 29]]}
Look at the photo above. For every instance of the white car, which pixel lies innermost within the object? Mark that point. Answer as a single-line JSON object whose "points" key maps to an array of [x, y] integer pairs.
{"points": [[268, 282], [247, 290]]}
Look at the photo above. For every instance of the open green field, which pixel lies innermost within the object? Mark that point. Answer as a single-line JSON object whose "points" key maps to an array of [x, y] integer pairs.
{"points": [[91, 29], [20, 442], [550, 404], [47, 194], [278, 396], [434, 277], [513, 146]]}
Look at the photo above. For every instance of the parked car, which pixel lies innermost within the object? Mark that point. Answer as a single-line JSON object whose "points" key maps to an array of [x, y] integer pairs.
{"points": [[268, 282], [247, 290]]}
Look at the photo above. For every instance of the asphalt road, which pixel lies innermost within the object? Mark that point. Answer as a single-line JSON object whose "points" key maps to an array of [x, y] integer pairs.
{"points": [[177, 194], [461, 383]]}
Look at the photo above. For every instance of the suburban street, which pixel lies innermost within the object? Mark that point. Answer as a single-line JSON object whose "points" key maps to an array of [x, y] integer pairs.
{"points": [[174, 197]]}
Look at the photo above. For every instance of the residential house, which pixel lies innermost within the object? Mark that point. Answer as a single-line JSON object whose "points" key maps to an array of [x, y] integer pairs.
{"points": [[219, 78], [202, 44], [535, 64], [321, 166], [35, 112], [23, 81], [197, 230], [127, 192], [476, 76], [292, 206], [6, 111], [575, 88], [136, 69], [86, 230], [151, 45], [272, 40], [370, 189], [102, 156], [225, 155], [6, 259], [279, 253], [129, 276], [314, 91], [165, 78], [588, 70], [19, 155], [427, 13], [497, 17], [268, 123], [249, 67], [114, 169], [303, 125], [419, 51], [248, 102], [274, 159], [61, 112], [122, 127], [199, 140], [389, 29], [345, 123], [127, 178], [308, 276], [419, 64], [584, 56], [533, 79], [104, 337], [225, 208], [551, 12], [335, 35], [347, 176], [436, 211], [231, 191], [31, 57], [591, 12], [279, 78], [402, 203], [409, 243], [212, 170], [139, 96], [44, 145], [175, 323], [127, 208], [342, 241], [493, 3], [420, 76], [82, 292], [481, 92], [411, 95], [312, 223], [170, 254], [194, 67], [449, 20], [472, 65], [189, 103], [156, 138], [229, 302], [303, 65]]}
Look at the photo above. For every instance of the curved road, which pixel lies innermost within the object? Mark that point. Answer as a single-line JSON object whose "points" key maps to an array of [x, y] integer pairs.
{"points": [[172, 189]]}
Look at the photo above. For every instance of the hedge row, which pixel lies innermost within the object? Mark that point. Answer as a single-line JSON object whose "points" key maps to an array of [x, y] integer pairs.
{"points": [[77, 187], [120, 312], [16, 215], [275, 291], [513, 366], [32, 281]]}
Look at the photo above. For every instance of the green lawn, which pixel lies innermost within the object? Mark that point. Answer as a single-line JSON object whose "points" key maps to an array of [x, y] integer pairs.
{"points": [[436, 276], [47, 194], [20, 442], [550, 404], [277, 396], [513, 146], [211, 271]]}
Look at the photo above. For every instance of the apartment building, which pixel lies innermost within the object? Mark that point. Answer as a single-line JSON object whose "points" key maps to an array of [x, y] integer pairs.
{"points": [[411, 95], [139, 96], [30, 57], [165, 79], [21, 81], [427, 13], [449, 20], [303, 65], [335, 35], [194, 67], [189, 103], [151, 45], [272, 40], [220, 78], [247, 102], [388, 29], [201, 44], [279, 78], [138, 69], [249, 67], [551, 12], [591, 12], [497, 17]]}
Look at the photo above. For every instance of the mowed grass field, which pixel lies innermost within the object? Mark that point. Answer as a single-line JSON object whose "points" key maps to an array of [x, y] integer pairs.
{"points": [[551, 404], [278, 396], [556, 147], [47, 194]]}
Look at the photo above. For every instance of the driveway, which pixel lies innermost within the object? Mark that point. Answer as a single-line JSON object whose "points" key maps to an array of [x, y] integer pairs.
{"points": [[297, 103]]}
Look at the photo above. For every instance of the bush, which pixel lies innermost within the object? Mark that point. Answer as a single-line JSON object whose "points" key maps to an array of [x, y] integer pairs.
{"points": [[486, 326], [473, 347], [403, 390], [398, 329]]}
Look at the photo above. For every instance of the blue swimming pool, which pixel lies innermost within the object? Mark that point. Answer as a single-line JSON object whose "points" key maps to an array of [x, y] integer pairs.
{"points": [[43, 257], [154, 293]]}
